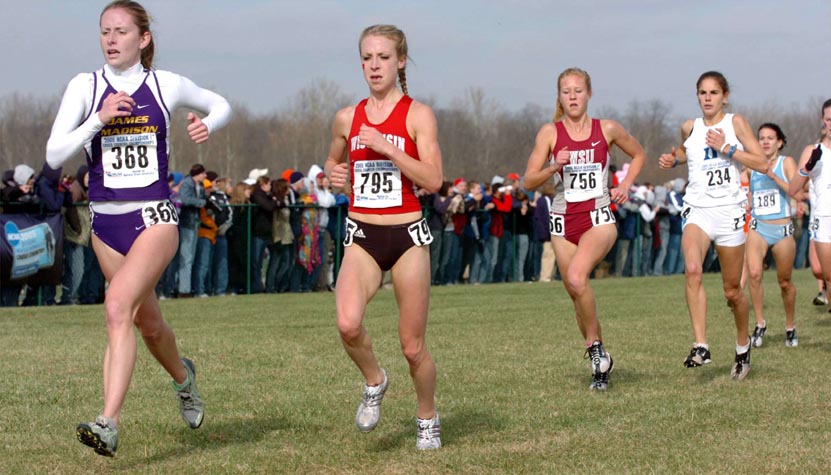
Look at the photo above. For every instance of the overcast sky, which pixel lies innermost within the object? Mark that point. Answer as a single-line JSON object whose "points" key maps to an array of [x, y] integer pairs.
{"points": [[260, 53]]}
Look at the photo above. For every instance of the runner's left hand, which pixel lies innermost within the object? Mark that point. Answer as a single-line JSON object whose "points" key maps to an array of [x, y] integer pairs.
{"points": [[197, 129]]}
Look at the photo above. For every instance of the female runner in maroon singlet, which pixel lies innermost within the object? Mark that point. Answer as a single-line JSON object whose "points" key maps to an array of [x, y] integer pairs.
{"points": [[573, 150]]}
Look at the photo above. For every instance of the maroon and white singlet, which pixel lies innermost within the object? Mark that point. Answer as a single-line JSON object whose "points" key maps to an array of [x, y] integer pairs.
{"points": [[581, 200]]}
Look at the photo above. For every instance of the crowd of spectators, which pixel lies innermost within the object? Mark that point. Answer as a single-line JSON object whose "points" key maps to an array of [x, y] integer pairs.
{"points": [[283, 233]]}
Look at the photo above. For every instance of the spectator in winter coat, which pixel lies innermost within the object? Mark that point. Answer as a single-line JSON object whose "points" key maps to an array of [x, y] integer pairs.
{"points": [[192, 197]]}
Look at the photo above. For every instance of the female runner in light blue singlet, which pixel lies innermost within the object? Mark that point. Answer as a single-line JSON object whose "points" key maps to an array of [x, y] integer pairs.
{"points": [[771, 227]]}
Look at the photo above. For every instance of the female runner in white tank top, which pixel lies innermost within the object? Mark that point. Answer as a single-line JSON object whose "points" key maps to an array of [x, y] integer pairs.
{"points": [[813, 165], [714, 147]]}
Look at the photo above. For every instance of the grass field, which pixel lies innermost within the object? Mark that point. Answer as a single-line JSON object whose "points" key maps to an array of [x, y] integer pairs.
{"points": [[512, 388]]}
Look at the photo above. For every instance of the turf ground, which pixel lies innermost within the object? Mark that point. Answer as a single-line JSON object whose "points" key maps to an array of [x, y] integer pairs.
{"points": [[512, 387]]}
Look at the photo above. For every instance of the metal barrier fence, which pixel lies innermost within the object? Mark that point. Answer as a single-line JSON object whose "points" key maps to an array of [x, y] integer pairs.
{"points": [[245, 212]]}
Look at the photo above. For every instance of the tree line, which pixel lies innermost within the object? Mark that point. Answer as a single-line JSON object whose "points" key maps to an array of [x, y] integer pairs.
{"points": [[479, 136]]}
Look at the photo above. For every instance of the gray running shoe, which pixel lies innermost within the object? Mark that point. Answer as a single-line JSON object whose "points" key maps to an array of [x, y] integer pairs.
{"points": [[698, 356], [820, 299], [741, 366], [369, 411], [428, 433], [790, 338], [190, 404], [758, 336], [99, 435]]}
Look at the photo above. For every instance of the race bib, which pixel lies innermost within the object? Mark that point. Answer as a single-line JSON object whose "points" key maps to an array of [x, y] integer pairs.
{"points": [[718, 177], [159, 212], [349, 234], [129, 161], [420, 233], [377, 184], [766, 202], [556, 224], [602, 216], [583, 181]]}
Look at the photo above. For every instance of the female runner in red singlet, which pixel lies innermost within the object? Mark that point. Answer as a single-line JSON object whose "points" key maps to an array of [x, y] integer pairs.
{"points": [[574, 151], [385, 146]]}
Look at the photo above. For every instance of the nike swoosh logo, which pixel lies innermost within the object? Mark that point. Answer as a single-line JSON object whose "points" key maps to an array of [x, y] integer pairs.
{"points": [[139, 228], [142, 107], [594, 144]]}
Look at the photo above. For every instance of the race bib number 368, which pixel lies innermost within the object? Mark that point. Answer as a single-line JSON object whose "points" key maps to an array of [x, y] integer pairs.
{"points": [[130, 161]]}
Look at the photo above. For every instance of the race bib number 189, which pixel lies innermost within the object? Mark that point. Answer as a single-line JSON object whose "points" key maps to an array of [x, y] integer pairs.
{"points": [[766, 202]]}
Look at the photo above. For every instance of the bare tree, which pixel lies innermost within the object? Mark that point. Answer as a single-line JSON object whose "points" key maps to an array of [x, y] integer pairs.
{"points": [[478, 136], [24, 129]]}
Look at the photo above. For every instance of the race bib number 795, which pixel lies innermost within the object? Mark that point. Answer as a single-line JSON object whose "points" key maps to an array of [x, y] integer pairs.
{"points": [[377, 184]]}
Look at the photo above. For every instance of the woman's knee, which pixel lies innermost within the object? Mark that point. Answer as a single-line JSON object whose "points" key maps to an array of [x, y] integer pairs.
{"points": [[350, 329], [119, 313], [755, 273], [415, 351], [576, 282], [733, 293], [151, 330], [693, 271]]}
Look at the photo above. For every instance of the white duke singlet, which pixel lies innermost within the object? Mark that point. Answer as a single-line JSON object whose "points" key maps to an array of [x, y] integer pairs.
{"points": [[714, 179]]}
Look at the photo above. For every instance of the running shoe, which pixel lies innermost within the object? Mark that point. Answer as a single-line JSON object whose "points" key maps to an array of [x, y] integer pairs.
{"points": [[601, 365], [428, 433], [99, 435], [758, 335], [741, 366], [600, 381], [190, 404], [820, 299], [698, 356], [369, 411], [790, 338]]}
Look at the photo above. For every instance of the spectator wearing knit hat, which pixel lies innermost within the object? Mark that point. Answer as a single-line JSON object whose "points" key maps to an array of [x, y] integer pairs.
{"points": [[21, 186], [205, 243], [223, 215], [76, 233], [192, 197]]}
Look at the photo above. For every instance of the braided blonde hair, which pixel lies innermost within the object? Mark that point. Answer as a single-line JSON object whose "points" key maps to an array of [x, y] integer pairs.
{"points": [[397, 36]]}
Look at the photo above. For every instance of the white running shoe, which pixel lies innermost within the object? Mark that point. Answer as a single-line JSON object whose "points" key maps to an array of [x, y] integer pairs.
{"points": [[369, 411], [428, 433]]}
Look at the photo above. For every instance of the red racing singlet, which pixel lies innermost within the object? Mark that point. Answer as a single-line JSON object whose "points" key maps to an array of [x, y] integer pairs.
{"points": [[582, 185], [378, 186]]}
